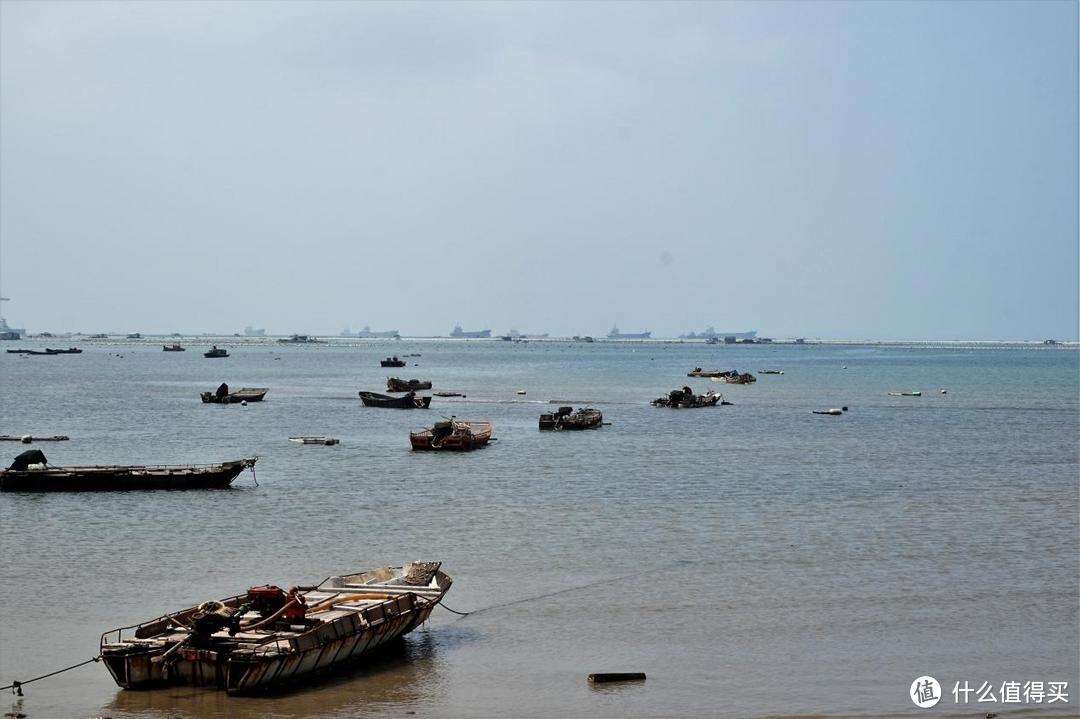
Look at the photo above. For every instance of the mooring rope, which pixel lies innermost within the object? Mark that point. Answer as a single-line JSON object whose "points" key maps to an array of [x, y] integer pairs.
{"points": [[16, 687], [540, 596]]}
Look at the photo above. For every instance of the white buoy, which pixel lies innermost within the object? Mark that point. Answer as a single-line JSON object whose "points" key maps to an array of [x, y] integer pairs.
{"points": [[243, 403]]}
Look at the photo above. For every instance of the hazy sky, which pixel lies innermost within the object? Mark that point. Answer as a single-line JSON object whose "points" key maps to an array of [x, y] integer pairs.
{"points": [[848, 170]]}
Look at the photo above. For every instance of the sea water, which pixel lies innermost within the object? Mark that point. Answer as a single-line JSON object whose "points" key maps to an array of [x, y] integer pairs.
{"points": [[754, 560]]}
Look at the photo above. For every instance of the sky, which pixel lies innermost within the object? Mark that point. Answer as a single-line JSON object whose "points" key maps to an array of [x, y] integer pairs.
{"points": [[884, 170]]}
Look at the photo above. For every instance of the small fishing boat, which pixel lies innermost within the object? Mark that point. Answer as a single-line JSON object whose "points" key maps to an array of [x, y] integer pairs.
{"points": [[835, 411], [31, 473], [686, 399], [448, 394], [406, 401], [392, 362], [733, 377], [698, 372], [567, 418], [68, 351], [770, 371], [453, 435], [915, 393], [393, 384], [314, 440], [244, 394], [33, 352], [270, 636], [215, 352], [173, 348]]}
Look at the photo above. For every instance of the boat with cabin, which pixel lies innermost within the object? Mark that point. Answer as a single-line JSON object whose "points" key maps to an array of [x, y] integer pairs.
{"points": [[453, 435], [31, 472], [392, 362], [270, 636], [173, 348], [214, 352]]}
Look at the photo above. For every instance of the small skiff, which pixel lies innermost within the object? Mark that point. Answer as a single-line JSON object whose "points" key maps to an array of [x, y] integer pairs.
{"points": [[41, 477], [270, 636], [453, 435], [567, 418], [314, 440], [406, 401]]}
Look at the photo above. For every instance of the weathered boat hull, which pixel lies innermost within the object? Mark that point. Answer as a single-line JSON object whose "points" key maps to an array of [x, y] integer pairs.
{"points": [[96, 479], [252, 664], [476, 436], [373, 399], [393, 384], [586, 418]]}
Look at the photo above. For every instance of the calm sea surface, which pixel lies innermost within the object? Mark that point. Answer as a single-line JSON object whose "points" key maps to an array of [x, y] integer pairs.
{"points": [[754, 560]]}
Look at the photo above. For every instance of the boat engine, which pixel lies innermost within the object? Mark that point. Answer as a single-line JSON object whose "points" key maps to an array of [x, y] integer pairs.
{"points": [[268, 600], [210, 617]]}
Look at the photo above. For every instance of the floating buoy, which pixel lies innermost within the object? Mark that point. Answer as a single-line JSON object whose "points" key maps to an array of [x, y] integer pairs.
{"points": [[617, 677], [243, 403]]}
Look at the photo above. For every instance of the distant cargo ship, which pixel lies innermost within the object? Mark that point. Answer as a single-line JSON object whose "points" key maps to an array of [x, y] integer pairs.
{"points": [[710, 333], [458, 332], [616, 335], [368, 333]]}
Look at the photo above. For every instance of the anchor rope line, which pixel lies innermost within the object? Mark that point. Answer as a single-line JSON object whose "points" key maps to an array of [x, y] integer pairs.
{"points": [[16, 687], [540, 596]]}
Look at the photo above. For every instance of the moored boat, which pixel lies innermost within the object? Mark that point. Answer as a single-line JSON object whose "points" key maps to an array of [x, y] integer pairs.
{"points": [[686, 399], [315, 440], [33, 474], [698, 372], [393, 384], [453, 435], [392, 362], [914, 393], [244, 394], [770, 371], [733, 377], [215, 352], [68, 351], [173, 348], [406, 401], [269, 636], [567, 418]]}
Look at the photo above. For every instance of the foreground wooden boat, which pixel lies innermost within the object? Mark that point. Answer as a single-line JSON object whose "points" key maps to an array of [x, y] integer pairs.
{"points": [[24, 478], [244, 394], [407, 401], [393, 384], [269, 636], [454, 436], [567, 418]]}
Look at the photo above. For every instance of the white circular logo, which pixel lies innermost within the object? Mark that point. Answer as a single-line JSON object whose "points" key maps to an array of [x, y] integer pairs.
{"points": [[925, 692]]}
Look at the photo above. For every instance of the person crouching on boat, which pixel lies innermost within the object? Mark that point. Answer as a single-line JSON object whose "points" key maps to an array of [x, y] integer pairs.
{"points": [[222, 391]]}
